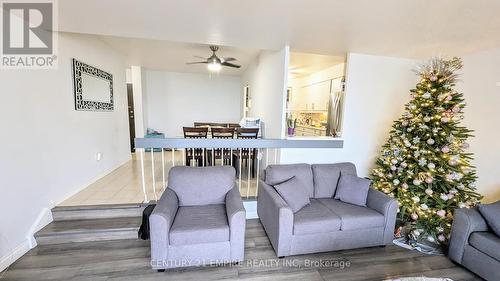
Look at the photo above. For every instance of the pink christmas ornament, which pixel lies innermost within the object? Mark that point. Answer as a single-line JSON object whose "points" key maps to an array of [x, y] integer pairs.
{"points": [[445, 149], [414, 216], [441, 213]]}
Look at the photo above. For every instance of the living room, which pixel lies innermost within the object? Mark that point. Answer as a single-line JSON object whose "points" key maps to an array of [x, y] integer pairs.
{"points": [[398, 75]]}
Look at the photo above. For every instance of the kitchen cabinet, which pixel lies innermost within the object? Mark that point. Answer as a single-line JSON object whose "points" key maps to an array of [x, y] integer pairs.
{"points": [[306, 131], [313, 97]]}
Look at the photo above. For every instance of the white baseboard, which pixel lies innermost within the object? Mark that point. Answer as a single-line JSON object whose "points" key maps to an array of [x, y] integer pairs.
{"points": [[15, 254], [83, 186], [43, 219], [251, 209]]}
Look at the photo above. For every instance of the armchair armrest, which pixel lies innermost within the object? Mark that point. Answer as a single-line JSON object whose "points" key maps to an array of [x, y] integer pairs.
{"points": [[236, 216], [160, 221], [388, 207], [276, 217], [465, 221]]}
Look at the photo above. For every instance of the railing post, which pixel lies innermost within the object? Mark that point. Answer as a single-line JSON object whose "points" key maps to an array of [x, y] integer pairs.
{"points": [[239, 171], [250, 151], [141, 152], [257, 179], [173, 157], [163, 168], [153, 172]]}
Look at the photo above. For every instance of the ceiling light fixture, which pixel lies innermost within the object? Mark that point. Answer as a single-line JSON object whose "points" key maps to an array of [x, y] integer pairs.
{"points": [[214, 66]]}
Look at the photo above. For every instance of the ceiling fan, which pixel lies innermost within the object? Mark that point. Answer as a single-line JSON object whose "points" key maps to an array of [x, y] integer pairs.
{"points": [[215, 63]]}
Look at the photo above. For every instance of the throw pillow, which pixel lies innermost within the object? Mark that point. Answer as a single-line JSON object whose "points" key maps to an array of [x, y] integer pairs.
{"points": [[352, 189], [293, 193], [491, 212]]}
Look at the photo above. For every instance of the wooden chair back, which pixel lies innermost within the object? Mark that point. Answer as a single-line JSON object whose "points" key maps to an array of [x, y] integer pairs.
{"points": [[247, 133], [195, 133], [222, 133]]}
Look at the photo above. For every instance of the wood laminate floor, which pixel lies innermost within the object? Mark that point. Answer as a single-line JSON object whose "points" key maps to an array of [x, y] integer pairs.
{"points": [[129, 260]]}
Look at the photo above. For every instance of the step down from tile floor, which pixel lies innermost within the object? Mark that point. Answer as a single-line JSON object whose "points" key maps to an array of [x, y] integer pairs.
{"points": [[63, 213], [92, 223], [89, 230]]}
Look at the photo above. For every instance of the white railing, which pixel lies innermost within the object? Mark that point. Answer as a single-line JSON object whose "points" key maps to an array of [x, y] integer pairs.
{"points": [[256, 152]]}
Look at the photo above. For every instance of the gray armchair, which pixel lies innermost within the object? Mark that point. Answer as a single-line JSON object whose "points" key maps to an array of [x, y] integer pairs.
{"points": [[200, 219], [474, 245], [327, 224]]}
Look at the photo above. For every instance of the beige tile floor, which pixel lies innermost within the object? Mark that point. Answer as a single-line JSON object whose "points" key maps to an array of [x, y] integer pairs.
{"points": [[124, 184]]}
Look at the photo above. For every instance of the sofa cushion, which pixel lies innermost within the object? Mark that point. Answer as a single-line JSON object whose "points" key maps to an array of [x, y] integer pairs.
{"points": [[353, 216], [491, 212], [315, 218], [352, 189], [326, 177], [276, 174], [295, 196], [201, 186], [199, 224], [486, 242]]}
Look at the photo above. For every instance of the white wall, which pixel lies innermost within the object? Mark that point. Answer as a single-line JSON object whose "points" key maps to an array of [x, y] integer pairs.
{"points": [[48, 147], [267, 78], [376, 90], [179, 99], [480, 84]]}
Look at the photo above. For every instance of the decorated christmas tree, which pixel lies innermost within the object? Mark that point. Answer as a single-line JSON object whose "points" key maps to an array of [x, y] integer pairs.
{"points": [[425, 163]]}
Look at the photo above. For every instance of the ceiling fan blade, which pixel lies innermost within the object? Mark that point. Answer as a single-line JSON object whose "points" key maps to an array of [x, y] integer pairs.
{"points": [[196, 62], [200, 57], [230, 65], [228, 59]]}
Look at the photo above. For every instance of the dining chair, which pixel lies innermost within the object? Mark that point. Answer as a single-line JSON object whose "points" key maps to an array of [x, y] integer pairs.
{"points": [[233, 125], [221, 153], [195, 153], [247, 155]]}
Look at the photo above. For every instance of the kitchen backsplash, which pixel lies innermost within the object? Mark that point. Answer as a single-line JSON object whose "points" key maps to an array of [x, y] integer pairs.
{"points": [[312, 119]]}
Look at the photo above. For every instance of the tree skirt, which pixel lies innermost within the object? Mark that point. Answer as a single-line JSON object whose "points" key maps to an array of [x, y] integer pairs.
{"points": [[423, 248], [419, 279]]}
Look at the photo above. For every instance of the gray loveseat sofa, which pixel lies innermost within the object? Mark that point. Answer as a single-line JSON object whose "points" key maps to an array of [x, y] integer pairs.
{"points": [[474, 245], [199, 219], [326, 224]]}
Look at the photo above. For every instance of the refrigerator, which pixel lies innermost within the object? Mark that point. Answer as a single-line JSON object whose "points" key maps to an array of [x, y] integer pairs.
{"points": [[335, 107]]}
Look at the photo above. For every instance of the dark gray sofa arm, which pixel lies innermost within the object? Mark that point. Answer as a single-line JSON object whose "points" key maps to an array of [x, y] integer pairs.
{"points": [[160, 221], [236, 216], [388, 207], [276, 217], [465, 221]]}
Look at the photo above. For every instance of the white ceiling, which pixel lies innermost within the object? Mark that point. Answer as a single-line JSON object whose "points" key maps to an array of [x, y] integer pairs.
{"points": [[409, 28], [173, 56], [302, 64]]}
